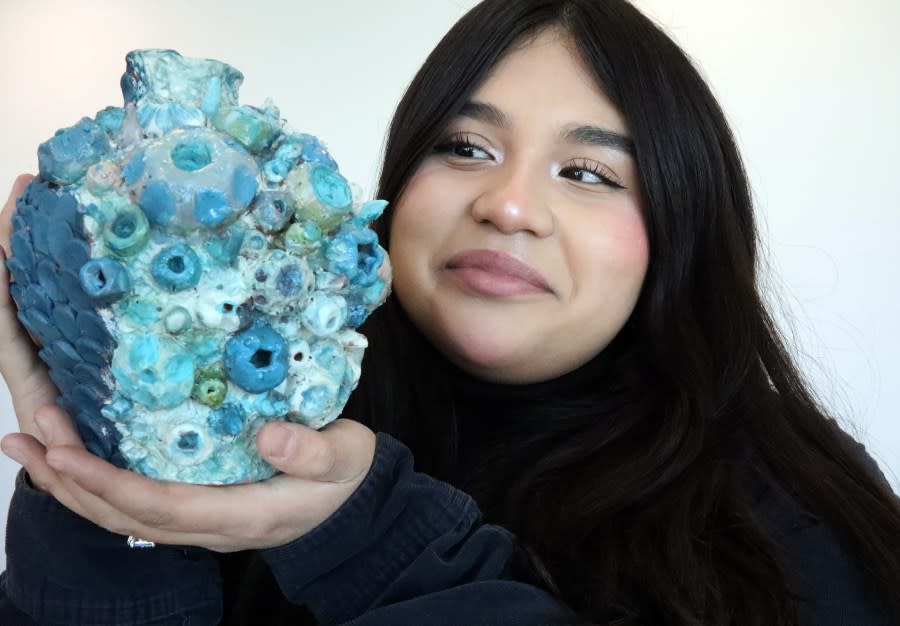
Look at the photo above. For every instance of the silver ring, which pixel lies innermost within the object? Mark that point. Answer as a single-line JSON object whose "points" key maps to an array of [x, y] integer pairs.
{"points": [[137, 542]]}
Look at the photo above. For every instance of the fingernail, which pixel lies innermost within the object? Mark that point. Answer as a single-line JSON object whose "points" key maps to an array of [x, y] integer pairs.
{"points": [[278, 441]]}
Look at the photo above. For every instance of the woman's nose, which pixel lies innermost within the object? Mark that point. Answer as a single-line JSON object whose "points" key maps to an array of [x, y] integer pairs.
{"points": [[513, 202]]}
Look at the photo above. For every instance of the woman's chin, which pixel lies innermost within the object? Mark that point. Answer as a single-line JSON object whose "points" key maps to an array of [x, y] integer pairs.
{"points": [[504, 346], [496, 361]]}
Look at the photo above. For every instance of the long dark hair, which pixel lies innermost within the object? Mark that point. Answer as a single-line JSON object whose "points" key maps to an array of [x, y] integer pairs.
{"points": [[641, 509]]}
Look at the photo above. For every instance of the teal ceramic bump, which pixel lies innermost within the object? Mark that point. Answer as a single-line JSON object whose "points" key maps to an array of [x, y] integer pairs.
{"points": [[193, 269]]}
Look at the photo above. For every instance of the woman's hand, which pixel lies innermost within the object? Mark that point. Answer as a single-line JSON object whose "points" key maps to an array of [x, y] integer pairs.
{"points": [[25, 374], [321, 470]]}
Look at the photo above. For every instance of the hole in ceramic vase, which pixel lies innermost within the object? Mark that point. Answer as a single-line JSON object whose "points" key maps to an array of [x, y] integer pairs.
{"points": [[176, 264], [188, 441], [191, 156], [261, 359], [124, 226]]}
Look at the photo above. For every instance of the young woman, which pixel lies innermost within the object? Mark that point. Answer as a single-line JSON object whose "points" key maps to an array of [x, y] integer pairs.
{"points": [[605, 424]]}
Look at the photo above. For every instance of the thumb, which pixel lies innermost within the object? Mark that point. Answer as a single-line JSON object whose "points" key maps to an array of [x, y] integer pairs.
{"points": [[341, 452]]}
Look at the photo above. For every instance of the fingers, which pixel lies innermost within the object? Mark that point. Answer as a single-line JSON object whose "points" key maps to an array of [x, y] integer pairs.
{"points": [[29, 452], [227, 518], [165, 506], [56, 427], [22, 370], [182, 513], [128, 503], [125, 490], [8, 208], [341, 452], [25, 450], [24, 373]]}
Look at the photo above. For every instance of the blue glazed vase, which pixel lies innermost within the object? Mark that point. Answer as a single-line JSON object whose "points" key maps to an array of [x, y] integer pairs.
{"points": [[193, 269]]}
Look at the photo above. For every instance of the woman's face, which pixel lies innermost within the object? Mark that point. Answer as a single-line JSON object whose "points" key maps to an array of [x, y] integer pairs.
{"points": [[518, 246]]}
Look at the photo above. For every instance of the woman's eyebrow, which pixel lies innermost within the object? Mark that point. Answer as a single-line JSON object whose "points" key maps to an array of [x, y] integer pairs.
{"points": [[484, 112], [577, 133], [596, 136]]}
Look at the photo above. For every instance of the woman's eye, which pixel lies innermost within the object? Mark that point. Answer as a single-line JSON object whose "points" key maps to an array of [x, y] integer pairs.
{"points": [[462, 147], [583, 176], [590, 174], [470, 151]]}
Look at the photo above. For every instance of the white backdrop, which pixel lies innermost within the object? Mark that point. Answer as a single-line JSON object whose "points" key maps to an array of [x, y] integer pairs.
{"points": [[812, 88]]}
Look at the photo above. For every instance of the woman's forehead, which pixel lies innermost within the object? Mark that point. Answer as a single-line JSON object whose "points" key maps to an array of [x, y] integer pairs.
{"points": [[544, 80]]}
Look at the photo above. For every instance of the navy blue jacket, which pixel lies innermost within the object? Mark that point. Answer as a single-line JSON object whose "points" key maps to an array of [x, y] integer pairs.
{"points": [[404, 549]]}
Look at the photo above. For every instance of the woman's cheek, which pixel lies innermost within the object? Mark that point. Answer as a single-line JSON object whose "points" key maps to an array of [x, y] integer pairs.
{"points": [[412, 230], [415, 208], [626, 242]]}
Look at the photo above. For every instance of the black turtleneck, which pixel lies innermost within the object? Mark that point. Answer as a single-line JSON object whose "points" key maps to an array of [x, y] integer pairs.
{"points": [[500, 426]]}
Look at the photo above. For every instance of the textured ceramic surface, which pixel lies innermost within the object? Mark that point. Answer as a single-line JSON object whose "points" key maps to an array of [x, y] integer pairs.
{"points": [[194, 269]]}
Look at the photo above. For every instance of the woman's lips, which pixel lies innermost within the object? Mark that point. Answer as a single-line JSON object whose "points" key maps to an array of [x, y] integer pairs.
{"points": [[496, 273]]}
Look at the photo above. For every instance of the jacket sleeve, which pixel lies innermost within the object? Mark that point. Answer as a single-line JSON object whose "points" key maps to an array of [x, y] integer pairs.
{"points": [[63, 569], [830, 587], [409, 549]]}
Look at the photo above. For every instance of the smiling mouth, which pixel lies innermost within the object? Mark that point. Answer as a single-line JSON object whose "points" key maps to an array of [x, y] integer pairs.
{"points": [[496, 274]]}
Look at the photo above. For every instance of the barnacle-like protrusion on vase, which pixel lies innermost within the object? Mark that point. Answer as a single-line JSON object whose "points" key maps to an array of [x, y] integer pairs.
{"points": [[105, 280]]}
